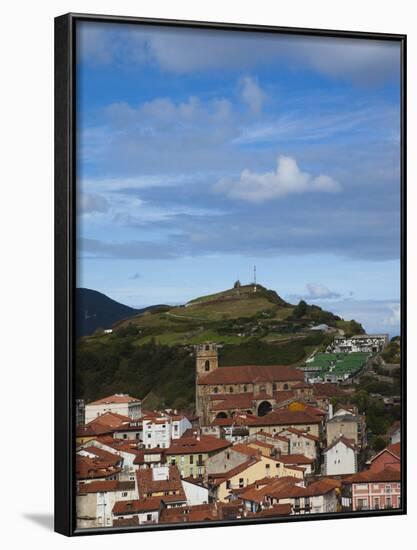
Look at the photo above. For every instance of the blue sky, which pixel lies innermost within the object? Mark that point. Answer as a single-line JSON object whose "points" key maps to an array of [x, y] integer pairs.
{"points": [[202, 153]]}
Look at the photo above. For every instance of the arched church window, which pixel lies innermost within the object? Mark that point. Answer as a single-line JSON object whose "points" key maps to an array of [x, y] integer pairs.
{"points": [[207, 365]]}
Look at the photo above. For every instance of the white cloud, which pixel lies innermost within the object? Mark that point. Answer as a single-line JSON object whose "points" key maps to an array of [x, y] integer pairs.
{"points": [[394, 316], [89, 202], [285, 180], [318, 291], [375, 315], [362, 61], [252, 94]]}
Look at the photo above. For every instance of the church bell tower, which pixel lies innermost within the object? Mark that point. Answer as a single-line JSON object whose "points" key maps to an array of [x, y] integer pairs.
{"points": [[207, 359]]}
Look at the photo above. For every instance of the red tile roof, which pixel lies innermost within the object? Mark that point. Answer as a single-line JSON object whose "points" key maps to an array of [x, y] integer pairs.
{"points": [[224, 401], [348, 442], [288, 488], [106, 423], [276, 510], [106, 486], [115, 398], [300, 433], [251, 373], [219, 478], [237, 420], [280, 417], [101, 454], [295, 460], [123, 507], [369, 476], [395, 449], [287, 417], [147, 484], [194, 445], [185, 514], [246, 449], [88, 468]]}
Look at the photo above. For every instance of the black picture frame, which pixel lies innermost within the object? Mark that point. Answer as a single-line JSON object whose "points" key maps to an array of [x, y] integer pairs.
{"points": [[65, 263]]}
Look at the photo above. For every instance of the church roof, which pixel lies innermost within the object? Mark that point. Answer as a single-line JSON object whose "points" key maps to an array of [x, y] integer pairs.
{"points": [[252, 373]]}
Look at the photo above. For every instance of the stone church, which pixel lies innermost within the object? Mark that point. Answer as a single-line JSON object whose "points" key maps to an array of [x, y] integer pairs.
{"points": [[222, 392]]}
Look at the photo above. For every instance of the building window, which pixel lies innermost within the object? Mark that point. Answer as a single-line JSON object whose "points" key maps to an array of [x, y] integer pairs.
{"points": [[274, 386], [388, 502], [207, 365], [376, 503], [228, 484], [148, 517], [191, 459], [285, 387], [245, 388], [231, 389], [216, 390], [361, 504], [241, 481], [207, 347], [124, 494]]}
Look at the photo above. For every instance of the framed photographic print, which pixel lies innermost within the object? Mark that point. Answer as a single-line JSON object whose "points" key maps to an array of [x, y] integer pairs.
{"points": [[230, 274]]}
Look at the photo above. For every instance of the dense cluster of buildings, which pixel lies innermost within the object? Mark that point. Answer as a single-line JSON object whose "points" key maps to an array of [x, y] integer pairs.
{"points": [[359, 343], [262, 443]]}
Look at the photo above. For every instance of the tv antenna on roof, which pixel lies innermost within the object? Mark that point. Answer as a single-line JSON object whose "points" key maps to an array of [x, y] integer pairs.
{"points": [[254, 278]]}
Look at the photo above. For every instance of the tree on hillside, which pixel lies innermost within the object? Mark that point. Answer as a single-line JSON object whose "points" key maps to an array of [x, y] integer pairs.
{"points": [[378, 444], [300, 309]]}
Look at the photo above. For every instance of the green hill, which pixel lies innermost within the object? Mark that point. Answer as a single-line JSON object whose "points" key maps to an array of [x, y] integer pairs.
{"points": [[233, 316], [151, 354]]}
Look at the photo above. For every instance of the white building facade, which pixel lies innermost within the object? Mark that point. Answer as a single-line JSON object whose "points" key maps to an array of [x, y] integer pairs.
{"points": [[119, 403], [340, 458]]}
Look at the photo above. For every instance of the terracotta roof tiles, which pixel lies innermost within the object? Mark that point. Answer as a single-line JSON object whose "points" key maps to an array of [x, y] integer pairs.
{"points": [[250, 373], [115, 398]]}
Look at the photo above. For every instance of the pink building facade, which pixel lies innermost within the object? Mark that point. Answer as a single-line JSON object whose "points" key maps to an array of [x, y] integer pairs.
{"points": [[370, 490]]}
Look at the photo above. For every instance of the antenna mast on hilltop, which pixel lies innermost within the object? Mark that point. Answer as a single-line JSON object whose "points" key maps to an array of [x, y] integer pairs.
{"points": [[254, 278]]}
